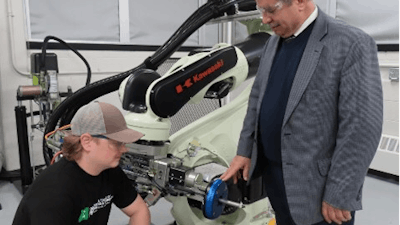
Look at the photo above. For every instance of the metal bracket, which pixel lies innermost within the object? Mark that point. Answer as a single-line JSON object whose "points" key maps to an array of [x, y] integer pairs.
{"points": [[394, 74]]}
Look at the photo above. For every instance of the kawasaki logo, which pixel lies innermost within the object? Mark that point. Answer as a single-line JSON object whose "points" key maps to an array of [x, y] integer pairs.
{"points": [[199, 77]]}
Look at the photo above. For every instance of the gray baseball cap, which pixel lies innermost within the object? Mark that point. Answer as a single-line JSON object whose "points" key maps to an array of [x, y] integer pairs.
{"points": [[100, 118]]}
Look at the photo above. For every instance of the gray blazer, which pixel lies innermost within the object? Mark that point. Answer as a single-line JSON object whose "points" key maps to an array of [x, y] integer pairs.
{"points": [[333, 119]]}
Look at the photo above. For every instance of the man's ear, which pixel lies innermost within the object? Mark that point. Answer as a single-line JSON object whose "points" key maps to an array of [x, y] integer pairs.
{"points": [[305, 4], [300, 3], [87, 142]]}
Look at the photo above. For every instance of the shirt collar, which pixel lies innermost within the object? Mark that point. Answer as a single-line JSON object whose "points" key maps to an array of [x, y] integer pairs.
{"points": [[308, 21]]}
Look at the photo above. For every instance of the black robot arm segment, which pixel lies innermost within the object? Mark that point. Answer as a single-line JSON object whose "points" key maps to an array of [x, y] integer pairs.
{"points": [[247, 6], [253, 48], [134, 99], [169, 95], [172, 93]]}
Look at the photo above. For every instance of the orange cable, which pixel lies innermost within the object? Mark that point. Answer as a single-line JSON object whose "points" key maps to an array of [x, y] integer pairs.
{"points": [[54, 157], [52, 132]]}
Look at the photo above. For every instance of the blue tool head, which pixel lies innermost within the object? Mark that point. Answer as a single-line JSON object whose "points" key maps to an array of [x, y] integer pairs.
{"points": [[212, 208]]}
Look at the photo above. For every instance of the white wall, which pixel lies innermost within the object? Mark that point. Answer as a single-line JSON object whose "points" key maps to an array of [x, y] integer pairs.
{"points": [[387, 61], [1, 130]]}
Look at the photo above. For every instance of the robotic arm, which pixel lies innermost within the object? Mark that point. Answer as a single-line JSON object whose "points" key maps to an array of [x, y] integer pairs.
{"points": [[159, 166], [190, 78], [165, 166], [151, 99]]}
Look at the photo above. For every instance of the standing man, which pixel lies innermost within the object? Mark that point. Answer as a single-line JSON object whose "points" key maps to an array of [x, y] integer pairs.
{"points": [[80, 188], [314, 115]]}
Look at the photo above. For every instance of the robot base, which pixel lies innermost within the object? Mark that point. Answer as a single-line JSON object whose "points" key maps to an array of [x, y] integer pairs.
{"points": [[257, 213]]}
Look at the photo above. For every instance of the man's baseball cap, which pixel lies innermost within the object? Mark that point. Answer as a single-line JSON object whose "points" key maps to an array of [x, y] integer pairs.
{"points": [[100, 118]]}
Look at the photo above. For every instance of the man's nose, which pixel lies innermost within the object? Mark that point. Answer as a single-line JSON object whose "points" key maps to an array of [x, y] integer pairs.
{"points": [[266, 19]]}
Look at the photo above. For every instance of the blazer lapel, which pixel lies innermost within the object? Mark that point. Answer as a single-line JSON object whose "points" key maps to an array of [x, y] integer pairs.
{"points": [[307, 65]]}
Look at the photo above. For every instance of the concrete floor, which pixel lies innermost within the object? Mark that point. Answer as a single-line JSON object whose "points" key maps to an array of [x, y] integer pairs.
{"points": [[380, 202]]}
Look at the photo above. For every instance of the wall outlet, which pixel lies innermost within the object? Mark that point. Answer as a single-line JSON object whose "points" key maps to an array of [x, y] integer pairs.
{"points": [[394, 74]]}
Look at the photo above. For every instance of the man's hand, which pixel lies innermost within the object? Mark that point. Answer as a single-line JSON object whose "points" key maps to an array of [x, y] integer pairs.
{"points": [[238, 163], [336, 215]]}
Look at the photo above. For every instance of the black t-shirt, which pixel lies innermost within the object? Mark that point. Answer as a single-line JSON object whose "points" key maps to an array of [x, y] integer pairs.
{"points": [[65, 194]]}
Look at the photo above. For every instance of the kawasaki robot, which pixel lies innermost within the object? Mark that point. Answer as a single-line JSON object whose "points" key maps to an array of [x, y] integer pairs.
{"points": [[185, 167]]}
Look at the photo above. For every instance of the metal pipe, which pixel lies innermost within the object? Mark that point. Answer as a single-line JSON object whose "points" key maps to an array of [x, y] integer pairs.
{"points": [[11, 18], [29, 90], [231, 203], [31, 139], [23, 147]]}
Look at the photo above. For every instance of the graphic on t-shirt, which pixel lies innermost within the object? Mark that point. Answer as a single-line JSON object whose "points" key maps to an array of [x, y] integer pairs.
{"points": [[84, 214], [101, 203]]}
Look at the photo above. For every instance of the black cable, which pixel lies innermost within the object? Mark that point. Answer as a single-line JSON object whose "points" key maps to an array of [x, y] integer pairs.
{"points": [[195, 21], [201, 15], [210, 10], [44, 48]]}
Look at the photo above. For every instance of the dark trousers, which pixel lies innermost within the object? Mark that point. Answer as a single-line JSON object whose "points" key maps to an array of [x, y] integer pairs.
{"points": [[274, 186]]}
